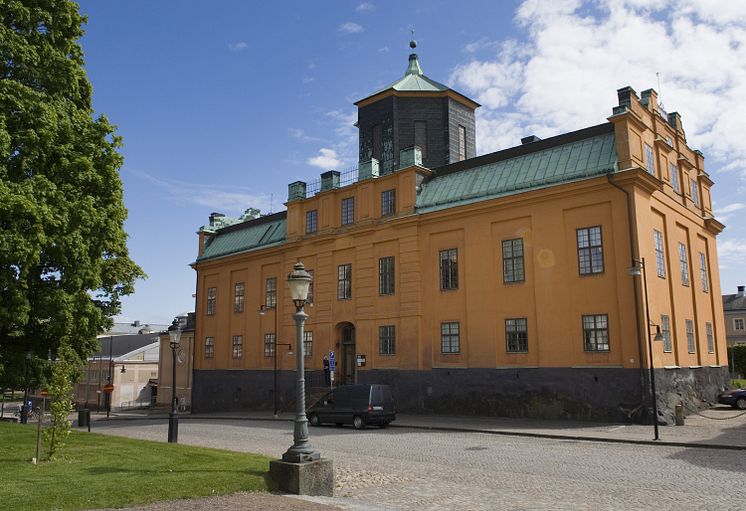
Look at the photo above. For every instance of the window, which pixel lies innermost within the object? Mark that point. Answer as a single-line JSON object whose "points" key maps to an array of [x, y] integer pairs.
{"points": [[660, 263], [461, 143], [348, 211], [590, 250], [386, 272], [738, 324], [695, 191], [238, 291], [666, 332], [690, 335], [420, 137], [307, 343], [673, 169], [703, 272], [710, 339], [450, 340], [649, 163], [209, 347], [309, 296], [388, 202], [449, 269], [516, 335], [344, 282], [211, 299], [513, 260], [596, 332], [312, 221], [387, 340], [269, 345], [270, 293], [237, 350], [377, 141], [684, 264]]}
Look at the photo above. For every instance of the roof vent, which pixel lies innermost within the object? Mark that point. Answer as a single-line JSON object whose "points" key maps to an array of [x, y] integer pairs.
{"points": [[329, 180], [529, 139], [741, 291]]}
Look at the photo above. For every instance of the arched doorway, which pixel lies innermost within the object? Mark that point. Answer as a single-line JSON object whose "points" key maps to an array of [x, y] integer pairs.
{"points": [[347, 369]]}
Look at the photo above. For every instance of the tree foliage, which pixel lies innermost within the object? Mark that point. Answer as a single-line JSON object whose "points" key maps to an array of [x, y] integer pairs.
{"points": [[65, 371], [737, 355], [64, 263]]}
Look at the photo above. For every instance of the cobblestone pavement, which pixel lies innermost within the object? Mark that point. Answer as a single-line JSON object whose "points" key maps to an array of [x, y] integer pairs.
{"points": [[408, 469]]}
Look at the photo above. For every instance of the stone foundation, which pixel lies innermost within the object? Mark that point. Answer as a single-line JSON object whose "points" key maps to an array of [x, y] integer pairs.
{"points": [[600, 394]]}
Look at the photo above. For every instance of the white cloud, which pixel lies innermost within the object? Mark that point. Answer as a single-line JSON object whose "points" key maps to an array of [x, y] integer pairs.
{"points": [[229, 199], [732, 251], [564, 74], [239, 46], [350, 27], [325, 160], [365, 7], [724, 213], [383, 49], [301, 134]]}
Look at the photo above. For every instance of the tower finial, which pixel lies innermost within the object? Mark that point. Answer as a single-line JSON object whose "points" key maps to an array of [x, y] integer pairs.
{"points": [[412, 43]]}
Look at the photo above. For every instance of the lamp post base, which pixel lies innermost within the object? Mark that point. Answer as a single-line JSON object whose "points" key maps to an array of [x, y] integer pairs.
{"points": [[310, 478], [173, 428]]}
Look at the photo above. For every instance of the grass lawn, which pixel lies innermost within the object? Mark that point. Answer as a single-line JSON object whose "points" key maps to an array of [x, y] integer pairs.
{"points": [[97, 471], [738, 384]]}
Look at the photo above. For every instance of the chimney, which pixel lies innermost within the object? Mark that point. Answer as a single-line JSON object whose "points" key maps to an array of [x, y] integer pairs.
{"points": [[529, 139], [741, 291], [136, 323], [410, 156], [214, 217], [368, 170], [329, 180], [625, 95], [296, 191]]}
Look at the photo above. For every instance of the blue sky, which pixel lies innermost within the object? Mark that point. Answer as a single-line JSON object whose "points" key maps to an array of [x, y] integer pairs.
{"points": [[222, 104]]}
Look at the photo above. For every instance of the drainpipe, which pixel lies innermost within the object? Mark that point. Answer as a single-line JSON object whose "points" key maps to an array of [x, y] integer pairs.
{"points": [[630, 228]]}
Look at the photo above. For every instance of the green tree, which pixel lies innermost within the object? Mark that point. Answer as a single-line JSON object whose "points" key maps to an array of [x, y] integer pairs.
{"points": [[65, 370], [64, 263]]}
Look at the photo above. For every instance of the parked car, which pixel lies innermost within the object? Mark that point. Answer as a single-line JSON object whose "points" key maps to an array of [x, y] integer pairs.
{"points": [[358, 405], [734, 397]]}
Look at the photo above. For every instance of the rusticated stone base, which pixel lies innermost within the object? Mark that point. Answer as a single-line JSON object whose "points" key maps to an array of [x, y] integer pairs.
{"points": [[309, 478]]}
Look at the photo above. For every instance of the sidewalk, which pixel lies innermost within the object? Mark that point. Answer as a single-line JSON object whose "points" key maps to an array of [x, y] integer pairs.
{"points": [[724, 427]]}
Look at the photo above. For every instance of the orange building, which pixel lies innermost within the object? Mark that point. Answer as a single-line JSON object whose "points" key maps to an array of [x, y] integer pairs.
{"points": [[496, 285]]}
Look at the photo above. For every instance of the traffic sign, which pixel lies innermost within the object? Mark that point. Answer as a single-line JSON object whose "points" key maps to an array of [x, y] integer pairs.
{"points": [[44, 393], [331, 361], [109, 387]]}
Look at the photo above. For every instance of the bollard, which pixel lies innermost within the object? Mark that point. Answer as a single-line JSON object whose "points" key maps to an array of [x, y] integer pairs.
{"points": [[679, 414]]}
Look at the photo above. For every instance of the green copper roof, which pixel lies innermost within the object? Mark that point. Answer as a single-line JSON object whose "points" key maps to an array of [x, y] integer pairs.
{"points": [[413, 80], [559, 163], [247, 236]]}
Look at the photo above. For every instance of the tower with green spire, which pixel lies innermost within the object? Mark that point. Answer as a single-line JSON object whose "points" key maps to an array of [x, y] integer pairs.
{"points": [[416, 110]]}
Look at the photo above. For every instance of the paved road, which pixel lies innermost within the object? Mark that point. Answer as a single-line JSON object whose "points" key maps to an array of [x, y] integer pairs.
{"points": [[407, 469]]}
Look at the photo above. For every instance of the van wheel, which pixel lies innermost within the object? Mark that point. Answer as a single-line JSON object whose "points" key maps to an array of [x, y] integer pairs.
{"points": [[358, 422], [313, 419]]}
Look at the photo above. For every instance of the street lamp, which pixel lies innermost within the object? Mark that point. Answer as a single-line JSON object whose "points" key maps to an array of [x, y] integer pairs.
{"points": [[301, 471], [301, 451], [174, 332], [637, 270], [262, 310], [24, 409]]}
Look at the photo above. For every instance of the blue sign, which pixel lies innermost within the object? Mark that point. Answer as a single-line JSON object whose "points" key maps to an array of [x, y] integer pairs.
{"points": [[331, 361]]}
